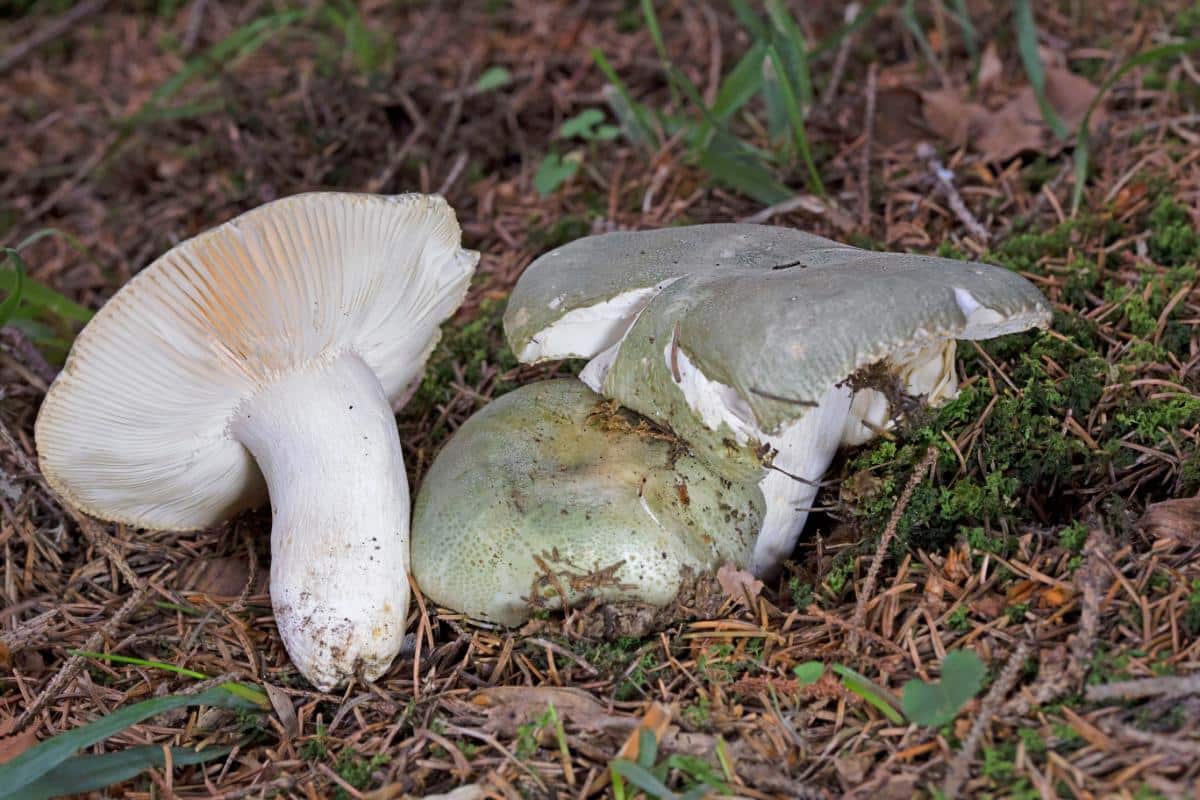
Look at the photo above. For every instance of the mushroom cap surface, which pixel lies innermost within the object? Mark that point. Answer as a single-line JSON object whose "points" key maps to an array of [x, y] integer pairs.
{"points": [[771, 318], [135, 427], [551, 472]]}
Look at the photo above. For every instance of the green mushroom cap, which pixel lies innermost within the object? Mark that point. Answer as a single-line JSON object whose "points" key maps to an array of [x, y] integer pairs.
{"points": [[551, 488], [750, 342]]}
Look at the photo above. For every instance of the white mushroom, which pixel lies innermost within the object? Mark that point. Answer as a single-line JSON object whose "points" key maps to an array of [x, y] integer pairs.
{"points": [[264, 356]]}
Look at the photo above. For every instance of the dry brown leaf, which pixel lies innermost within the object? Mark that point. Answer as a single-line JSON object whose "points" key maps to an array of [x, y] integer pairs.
{"points": [[13, 746], [898, 117], [217, 577], [512, 706], [738, 584], [284, 709], [1017, 126], [1173, 519], [989, 606], [990, 67], [5, 656], [951, 116]]}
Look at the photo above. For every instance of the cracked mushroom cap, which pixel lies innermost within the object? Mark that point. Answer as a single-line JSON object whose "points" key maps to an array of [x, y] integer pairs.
{"points": [[551, 479], [745, 339]]}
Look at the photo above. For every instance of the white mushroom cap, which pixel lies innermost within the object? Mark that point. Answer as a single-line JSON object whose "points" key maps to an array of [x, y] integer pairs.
{"points": [[236, 347]]}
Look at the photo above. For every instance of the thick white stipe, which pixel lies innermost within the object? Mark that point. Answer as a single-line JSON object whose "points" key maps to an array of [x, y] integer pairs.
{"points": [[326, 441]]}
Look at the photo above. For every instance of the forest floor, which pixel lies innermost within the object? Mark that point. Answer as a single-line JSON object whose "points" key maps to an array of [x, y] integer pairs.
{"points": [[1054, 531]]}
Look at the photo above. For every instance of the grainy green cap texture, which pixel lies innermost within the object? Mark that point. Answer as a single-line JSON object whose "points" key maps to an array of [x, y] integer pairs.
{"points": [[550, 472]]}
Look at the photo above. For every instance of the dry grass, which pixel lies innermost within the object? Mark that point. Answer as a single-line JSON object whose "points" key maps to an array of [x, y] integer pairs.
{"points": [[464, 703]]}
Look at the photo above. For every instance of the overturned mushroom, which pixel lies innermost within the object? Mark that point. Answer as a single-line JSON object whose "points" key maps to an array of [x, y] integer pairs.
{"points": [[264, 355], [551, 491], [752, 343]]}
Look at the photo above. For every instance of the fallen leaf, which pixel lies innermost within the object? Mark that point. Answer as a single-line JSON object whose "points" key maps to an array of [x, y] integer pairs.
{"points": [[1172, 519], [739, 585], [950, 116], [898, 117], [852, 769], [1016, 126], [5, 656], [990, 67], [13, 746], [989, 606], [217, 577], [509, 707], [284, 709]]}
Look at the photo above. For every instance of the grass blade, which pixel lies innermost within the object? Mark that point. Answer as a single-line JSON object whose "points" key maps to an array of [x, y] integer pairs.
{"points": [[8, 308], [962, 16], [45, 756], [835, 38], [642, 778], [1028, 48], [740, 173], [628, 111], [908, 13], [240, 689], [793, 49], [742, 82], [241, 42], [792, 104], [1081, 136], [92, 772], [873, 693], [656, 36]]}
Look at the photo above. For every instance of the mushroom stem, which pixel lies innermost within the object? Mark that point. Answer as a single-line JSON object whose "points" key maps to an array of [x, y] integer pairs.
{"points": [[326, 442]]}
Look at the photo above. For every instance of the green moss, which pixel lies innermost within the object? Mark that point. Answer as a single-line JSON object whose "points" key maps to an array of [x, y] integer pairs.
{"points": [[356, 770], [466, 349], [1174, 241]]}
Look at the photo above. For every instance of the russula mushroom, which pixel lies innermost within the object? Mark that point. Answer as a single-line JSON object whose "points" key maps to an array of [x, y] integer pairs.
{"points": [[263, 356], [551, 489], [757, 345]]}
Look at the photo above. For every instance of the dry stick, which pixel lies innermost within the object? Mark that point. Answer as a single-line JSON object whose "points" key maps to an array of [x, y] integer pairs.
{"points": [[839, 61], [1093, 580], [945, 181], [991, 704], [1174, 686], [864, 175], [49, 33], [99, 539], [889, 533], [75, 663]]}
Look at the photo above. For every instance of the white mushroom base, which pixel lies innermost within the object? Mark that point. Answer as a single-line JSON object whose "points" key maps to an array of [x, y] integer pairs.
{"points": [[326, 442]]}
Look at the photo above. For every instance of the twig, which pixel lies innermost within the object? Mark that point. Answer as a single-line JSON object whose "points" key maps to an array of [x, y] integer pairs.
{"points": [[991, 704], [806, 202], [864, 175], [1093, 580], [889, 532], [945, 181], [1039, 202], [564, 652], [1173, 686], [73, 664], [839, 61], [49, 33]]}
